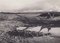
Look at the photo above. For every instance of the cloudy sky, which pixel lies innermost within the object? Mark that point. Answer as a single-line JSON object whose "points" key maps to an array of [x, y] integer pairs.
{"points": [[19, 5]]}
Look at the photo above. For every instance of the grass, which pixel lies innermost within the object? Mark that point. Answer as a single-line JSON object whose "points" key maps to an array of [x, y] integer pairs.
{"points": [[6, 38], [8, 25]]}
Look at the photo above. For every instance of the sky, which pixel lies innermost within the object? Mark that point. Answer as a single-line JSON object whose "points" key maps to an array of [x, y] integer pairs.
{"points": [[21, 5]]}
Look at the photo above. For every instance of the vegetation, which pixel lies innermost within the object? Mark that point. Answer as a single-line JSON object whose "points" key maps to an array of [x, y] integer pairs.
{"points": [[5, 37], [8, 36]]}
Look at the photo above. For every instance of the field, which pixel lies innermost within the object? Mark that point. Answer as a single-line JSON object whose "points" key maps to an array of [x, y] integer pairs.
{"points": [[5, 38], [7, 24]]}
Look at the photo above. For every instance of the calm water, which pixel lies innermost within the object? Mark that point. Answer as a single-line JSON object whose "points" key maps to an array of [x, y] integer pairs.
{"points": [[54, 31]]}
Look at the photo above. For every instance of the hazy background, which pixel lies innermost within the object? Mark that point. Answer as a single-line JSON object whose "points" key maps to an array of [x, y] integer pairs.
{"points": [[19, 5], [22, 5]]}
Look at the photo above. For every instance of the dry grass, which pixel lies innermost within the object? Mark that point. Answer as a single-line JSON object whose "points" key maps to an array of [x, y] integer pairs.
{"points": [[8, 25], [6, 38]]}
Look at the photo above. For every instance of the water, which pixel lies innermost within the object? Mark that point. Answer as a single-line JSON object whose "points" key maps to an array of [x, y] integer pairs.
{"points": [[53, 31]]}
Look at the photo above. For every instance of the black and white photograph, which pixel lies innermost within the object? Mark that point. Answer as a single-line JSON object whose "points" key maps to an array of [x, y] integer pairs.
{"points": [[29, 21]]}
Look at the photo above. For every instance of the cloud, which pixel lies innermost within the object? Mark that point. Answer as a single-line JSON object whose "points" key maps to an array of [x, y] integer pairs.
{"points": [[6, 5], [17, 5]]}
